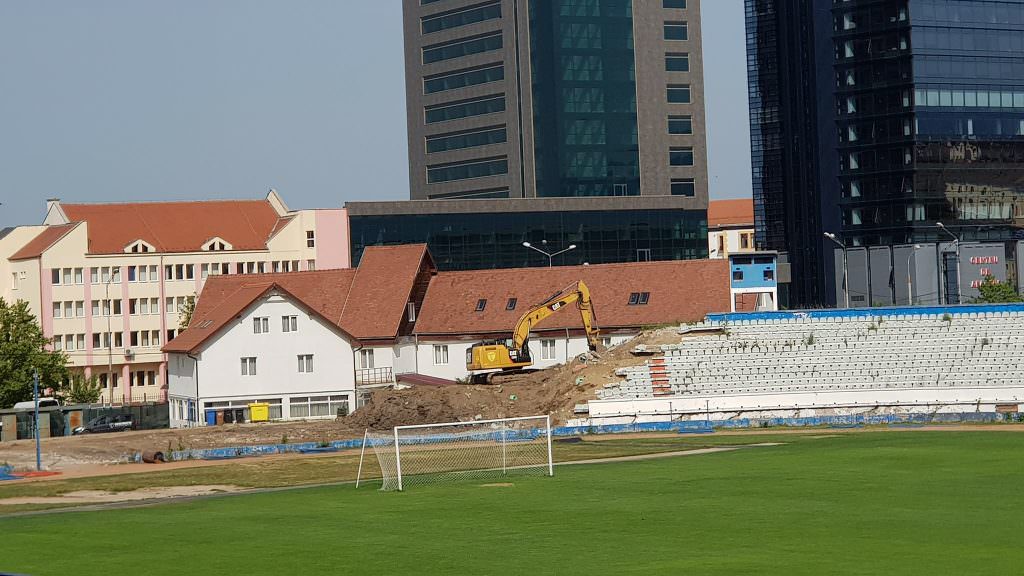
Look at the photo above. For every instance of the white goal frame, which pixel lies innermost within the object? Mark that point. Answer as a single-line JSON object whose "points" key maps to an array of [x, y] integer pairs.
{"points": [[523, 448]]}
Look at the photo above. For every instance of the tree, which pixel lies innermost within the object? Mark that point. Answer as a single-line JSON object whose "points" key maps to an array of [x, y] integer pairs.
{"points": [[186, 311], [995, 292], [81, 390], [23, 352]]}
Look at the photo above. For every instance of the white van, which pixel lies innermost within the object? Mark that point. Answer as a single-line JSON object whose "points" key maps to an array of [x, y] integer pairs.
{"points": [[43, 403]]}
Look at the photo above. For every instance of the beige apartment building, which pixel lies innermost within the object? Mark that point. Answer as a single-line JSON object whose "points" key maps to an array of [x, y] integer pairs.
{"points": [[109, 281]]}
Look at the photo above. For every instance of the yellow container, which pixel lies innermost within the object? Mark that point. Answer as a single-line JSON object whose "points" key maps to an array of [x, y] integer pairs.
{"points": [[259, 412]]}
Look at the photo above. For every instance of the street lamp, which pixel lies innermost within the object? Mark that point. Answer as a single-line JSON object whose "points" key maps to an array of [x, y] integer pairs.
{"points": [[846, 276], [910, 278], [549, 254], [956, 247]]}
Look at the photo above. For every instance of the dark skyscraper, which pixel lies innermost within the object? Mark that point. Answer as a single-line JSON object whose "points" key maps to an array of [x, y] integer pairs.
{"points": [[917, 111], [792, 139]]}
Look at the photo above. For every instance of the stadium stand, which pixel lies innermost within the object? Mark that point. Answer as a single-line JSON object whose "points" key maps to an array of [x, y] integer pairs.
{"points": [[818, 358]]}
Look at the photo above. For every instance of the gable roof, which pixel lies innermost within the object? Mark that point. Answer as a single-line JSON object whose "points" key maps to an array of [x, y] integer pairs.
{"points": [[176, 226], [382, 284], [42, 241], [680, 291], [364, 303], [731, 212]]}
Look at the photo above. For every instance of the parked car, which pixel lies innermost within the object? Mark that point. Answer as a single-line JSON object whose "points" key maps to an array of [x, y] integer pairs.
{"points": [[110, 423]]}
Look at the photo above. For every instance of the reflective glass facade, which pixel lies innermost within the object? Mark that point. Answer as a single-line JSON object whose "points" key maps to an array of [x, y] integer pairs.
{"points": [[480, 240], [584, 98], [790, 82], [930, 106]]}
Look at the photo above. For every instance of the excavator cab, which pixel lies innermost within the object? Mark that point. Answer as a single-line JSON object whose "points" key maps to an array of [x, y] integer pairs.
{"points": [[495, 355]]}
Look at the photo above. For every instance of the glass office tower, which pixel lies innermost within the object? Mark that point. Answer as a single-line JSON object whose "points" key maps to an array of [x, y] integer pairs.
{"points": [[930, 114]]}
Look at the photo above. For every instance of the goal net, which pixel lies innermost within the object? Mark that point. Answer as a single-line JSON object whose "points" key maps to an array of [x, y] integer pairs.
{"points": [[433, 453]]}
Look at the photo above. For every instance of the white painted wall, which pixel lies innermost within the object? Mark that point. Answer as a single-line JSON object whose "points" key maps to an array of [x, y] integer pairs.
{"points": [[455, 369], [930, 399], [733, 244], [276, 352]]}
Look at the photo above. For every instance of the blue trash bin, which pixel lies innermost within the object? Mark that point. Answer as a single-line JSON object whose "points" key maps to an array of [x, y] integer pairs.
{"points": [[211, 417]]}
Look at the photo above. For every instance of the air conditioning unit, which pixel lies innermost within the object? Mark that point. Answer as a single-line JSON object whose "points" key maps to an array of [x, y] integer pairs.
{"points": [[128, 353]]}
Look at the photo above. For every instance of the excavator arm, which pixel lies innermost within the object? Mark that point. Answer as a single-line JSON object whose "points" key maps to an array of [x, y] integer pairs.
{"points": [[577, 294]]}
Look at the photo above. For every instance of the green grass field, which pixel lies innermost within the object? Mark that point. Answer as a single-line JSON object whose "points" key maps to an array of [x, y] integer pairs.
{"points": [[911, 502]]}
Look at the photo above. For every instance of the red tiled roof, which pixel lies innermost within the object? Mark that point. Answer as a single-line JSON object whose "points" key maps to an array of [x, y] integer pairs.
{"points": [[731, 212], [176, 226], [680, 291], [46, 238], [365, 303], [382, 285]]}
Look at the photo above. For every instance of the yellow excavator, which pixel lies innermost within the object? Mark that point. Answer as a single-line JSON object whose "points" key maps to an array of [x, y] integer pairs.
{"points": [[513, 355]]}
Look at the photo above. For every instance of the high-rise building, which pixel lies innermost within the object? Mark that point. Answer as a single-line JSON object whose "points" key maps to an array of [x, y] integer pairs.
{"points": [[919, 121], [555, 98], [789, 74]]}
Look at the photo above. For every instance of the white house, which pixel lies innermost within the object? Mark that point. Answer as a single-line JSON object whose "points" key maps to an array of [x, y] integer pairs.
{"points": [[301, 342]]}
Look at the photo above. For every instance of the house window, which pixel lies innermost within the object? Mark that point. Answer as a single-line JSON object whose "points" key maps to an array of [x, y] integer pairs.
{"points": [[440, 354], [481, 304], [249, 366], [683, 187], [94, 275], [78, 276], [289, 323], [410, 311], [511, 305], [80, 308], [680, 156], [67, 276], [744, 240], [639, 298], [260, 325], [366, 359], [69, 309], [769, 274], [57, 310], [547, 349], [58, 343], [310, 239], [677, 62], [305, 363], [737, 275]]}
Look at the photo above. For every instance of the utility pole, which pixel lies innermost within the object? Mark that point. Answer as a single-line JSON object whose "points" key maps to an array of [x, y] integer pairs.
{"points": [[35, 396]]}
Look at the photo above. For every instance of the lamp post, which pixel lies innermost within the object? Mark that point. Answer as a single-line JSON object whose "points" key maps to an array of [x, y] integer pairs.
{"points": [[846, 275], [910, 277], [110, 348], [550, 255], [35, 397], [956, 247]]}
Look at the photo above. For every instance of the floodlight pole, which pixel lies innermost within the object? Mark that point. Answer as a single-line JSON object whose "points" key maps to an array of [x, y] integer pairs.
{"points": [[35, 396], [846, 274], [956, 247], [910, 277], [550, 255]]}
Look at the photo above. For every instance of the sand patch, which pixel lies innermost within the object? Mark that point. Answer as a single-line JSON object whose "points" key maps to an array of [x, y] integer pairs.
{"points": [[103, 496]]}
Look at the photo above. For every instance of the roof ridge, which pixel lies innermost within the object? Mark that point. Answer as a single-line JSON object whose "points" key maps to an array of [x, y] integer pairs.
{"points": [[154, 202]]}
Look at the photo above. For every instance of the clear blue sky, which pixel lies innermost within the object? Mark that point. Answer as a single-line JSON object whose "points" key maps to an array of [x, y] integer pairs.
{"points": [[116, 100]]}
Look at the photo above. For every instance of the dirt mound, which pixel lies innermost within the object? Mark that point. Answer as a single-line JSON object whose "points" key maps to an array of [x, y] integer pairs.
{"points": [[552, 391]]}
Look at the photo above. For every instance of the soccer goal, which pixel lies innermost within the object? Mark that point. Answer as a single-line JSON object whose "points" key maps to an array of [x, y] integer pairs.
{"points": [[432, 453]]}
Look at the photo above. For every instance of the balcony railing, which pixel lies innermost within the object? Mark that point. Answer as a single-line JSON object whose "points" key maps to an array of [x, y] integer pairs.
{"points": [[368, 376]]}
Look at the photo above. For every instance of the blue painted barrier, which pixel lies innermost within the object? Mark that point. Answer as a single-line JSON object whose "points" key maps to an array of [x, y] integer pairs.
{"points": [[868, 313], [679, 426]]}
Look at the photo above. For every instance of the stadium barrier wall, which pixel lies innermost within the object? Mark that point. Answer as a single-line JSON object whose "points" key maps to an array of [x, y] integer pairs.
{"points": [[866, 313], [567, 431]]}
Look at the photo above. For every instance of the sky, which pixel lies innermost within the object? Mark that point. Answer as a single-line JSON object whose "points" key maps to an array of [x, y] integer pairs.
{"points": [[122, 100]]}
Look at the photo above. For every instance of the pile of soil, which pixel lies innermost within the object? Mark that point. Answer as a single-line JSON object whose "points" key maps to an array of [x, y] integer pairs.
{"points": [[553, 391]]}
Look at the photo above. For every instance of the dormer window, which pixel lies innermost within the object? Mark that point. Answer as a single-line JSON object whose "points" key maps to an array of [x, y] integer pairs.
{"points": [[139, 246], [216, 245]]}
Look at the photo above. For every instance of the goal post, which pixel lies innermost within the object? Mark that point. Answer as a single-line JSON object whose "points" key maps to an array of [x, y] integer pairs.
{"points": [[448, 451]]}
